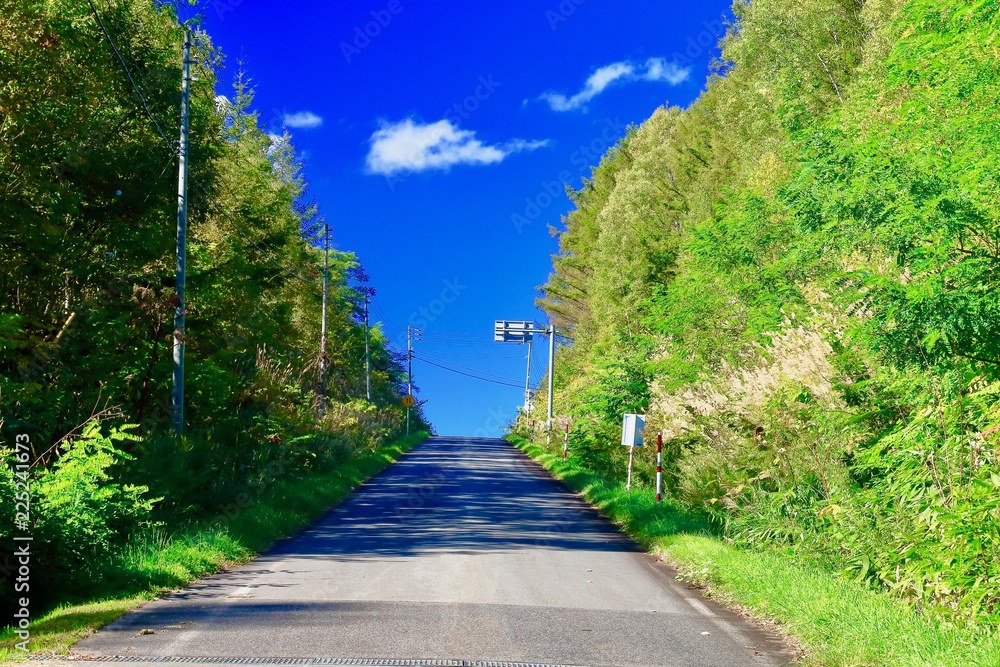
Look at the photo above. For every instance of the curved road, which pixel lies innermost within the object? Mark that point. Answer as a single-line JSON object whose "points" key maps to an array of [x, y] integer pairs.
{"points": [[466, 552]]}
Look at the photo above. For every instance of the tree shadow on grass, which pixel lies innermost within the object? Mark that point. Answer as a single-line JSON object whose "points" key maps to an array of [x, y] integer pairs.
{"points": [[58, 630]]}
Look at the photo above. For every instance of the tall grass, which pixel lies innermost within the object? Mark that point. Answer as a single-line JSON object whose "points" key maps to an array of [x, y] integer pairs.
{"points": [[165, 559], [837, 622]]}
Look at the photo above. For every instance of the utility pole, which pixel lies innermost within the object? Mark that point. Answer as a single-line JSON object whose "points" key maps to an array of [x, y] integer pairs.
{"points": [[322, 326], [552, 364], [368, 358], [409, 373], [177, 417], [412, 334], [527, 384], [520, 331]]}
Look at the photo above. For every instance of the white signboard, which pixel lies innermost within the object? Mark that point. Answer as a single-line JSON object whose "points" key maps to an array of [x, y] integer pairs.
{"points": [[513, 331], [633, 428]]}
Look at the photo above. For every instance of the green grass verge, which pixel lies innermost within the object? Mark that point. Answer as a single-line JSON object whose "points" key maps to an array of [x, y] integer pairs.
{"points": [[837, 622], [165, 561]]}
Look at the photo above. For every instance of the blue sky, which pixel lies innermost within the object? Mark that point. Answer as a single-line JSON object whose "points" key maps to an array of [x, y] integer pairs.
{"points": [[437, 140]]}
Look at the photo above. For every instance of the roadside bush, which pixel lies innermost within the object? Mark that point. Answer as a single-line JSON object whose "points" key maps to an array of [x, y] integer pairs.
{"points": [[82, 515]]}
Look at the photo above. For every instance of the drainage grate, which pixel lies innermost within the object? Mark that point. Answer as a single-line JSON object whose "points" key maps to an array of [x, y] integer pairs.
{"points": [[370, 662]]}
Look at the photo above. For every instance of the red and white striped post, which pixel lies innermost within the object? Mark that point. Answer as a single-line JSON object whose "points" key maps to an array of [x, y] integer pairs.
{"points": [[566, 441], [659, 467]]}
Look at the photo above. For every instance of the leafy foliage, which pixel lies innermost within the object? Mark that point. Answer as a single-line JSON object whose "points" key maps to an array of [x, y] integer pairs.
{"points": [[81, 516], [816, 326], [87, 296]]}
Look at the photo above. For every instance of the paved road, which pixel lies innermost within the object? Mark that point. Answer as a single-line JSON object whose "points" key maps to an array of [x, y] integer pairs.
{"points": [[466, 551]]}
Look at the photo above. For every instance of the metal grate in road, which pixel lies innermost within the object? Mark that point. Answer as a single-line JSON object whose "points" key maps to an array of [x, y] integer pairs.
{"points": [[481, 663], [369, 662]]}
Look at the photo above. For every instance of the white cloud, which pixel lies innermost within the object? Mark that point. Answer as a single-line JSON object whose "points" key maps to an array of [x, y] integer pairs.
{"points": [[654, 69], [594, 86], [303, 120], [658, 69], [410, 146]]}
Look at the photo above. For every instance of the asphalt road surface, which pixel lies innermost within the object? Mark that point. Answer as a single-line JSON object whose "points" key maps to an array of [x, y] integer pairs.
{"points": [[466, 552]]}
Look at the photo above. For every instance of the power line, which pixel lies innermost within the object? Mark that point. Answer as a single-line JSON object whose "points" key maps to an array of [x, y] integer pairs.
{"points": [[262, 249], [128, 74], [449, 336], [463, 343], [475, 377], [460, 334], [156, 182], [390, 334], [479, 356], [538, 364], [386, 321], [452, 363]]}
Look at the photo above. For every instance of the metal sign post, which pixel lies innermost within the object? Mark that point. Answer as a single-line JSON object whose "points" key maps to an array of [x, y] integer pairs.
{"points": [[631, 450], [408, 402], [633, 429], [523, 331]]}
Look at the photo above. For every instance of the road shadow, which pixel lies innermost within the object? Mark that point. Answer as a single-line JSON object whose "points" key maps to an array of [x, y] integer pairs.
{"points": [[449, 497]]}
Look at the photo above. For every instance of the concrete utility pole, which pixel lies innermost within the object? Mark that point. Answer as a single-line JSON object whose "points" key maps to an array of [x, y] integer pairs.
{"points": [[552, 365], [368, 359], [177, 417], [527, 384], [409, 373], [322, 326], [411, 335]]}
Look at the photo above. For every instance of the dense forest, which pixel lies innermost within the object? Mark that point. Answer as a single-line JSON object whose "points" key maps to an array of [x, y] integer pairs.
{"points": [[89, 120], [796, 279]]}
